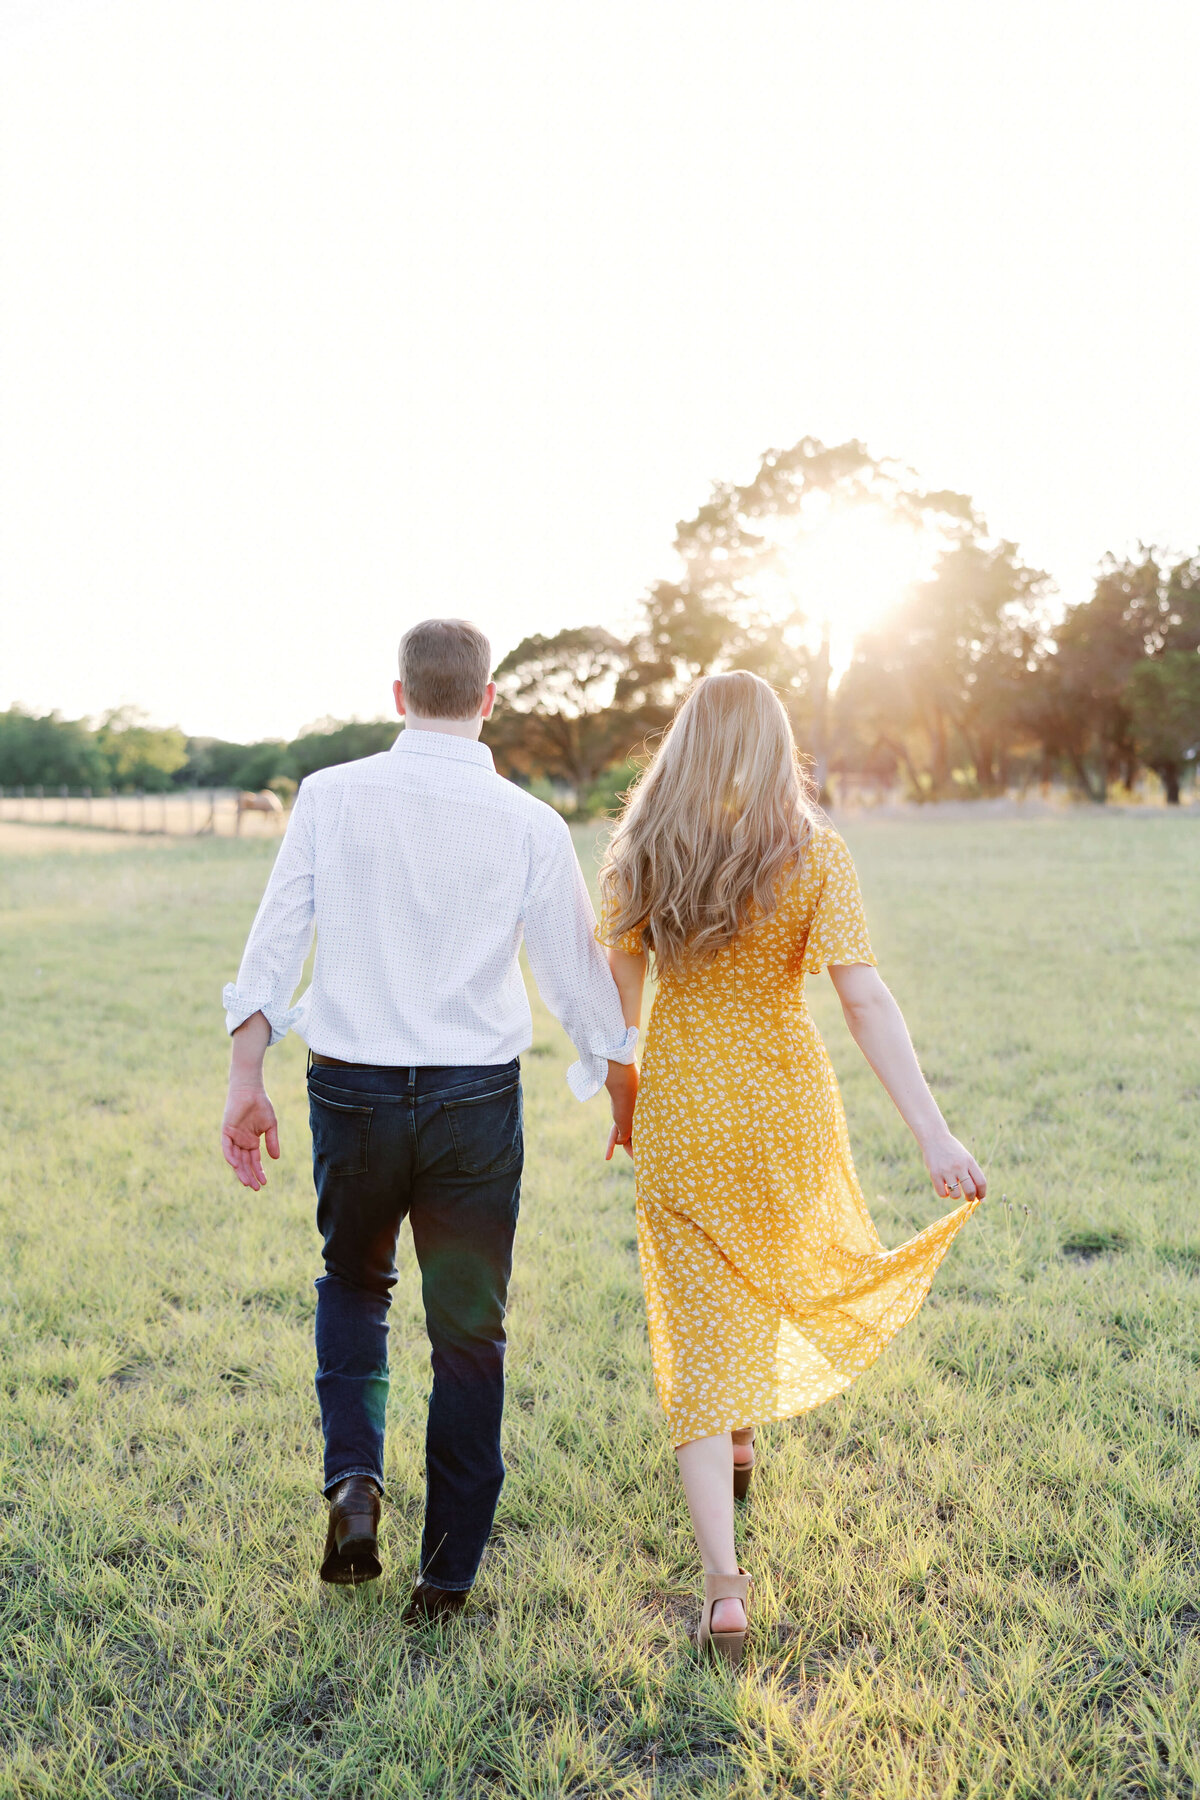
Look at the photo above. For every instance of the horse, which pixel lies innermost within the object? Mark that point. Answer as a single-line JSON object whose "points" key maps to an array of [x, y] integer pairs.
{"points": [[264, 802]]}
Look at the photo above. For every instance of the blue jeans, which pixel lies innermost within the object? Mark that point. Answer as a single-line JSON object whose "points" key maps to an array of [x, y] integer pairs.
{"points": [[444, 1148]]}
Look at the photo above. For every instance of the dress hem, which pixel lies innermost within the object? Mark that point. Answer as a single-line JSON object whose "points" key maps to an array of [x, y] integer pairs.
{"points": [[773, 1415]]}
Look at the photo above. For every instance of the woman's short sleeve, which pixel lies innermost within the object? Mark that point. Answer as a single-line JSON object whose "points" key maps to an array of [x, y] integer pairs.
{"points": [[633, 943], [838, 930]]}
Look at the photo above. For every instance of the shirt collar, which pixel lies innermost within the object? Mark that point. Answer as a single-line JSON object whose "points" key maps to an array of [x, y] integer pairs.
{"points": [[442, 743]]}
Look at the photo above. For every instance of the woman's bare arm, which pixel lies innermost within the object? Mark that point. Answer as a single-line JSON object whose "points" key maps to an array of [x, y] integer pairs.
{"points": [[877, 1027], [629, 973]]}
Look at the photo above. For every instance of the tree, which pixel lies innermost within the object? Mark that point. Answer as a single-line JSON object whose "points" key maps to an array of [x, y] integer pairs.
{"points": [[1141, 609], [332, 741], [876, 720], [215, 763], [1163, 696], [140, 755], [991, 629], [46, 750], [940, 683], [566, 707], [742, 601]]}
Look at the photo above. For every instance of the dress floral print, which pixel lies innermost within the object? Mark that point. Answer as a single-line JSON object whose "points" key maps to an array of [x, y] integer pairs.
{"points": [[768, 1290]]}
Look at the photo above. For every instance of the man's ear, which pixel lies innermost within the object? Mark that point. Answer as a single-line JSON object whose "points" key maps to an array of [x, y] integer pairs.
{"points": [[398, 696], [489, 699]]}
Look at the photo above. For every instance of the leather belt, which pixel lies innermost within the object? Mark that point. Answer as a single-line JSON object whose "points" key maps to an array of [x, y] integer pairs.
{"points": [[335, 1062]]}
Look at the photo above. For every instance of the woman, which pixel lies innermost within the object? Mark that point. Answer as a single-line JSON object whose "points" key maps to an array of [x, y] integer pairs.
{"points": [[768, 1290]]}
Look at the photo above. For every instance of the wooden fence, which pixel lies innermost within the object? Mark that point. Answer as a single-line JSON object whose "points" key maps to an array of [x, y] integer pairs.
{"points": [[191, 813]]}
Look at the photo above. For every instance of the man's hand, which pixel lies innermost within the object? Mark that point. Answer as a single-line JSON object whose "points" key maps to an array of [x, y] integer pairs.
{"points": [[249, 1115], [622, 1084]]}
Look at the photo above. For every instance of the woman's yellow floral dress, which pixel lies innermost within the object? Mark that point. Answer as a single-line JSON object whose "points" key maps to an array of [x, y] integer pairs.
{"points": [[768, 1290]]}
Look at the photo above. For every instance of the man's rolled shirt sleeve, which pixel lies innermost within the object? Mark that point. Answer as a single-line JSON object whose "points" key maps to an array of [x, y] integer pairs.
{"points": [[280, 935], [568, 965]]}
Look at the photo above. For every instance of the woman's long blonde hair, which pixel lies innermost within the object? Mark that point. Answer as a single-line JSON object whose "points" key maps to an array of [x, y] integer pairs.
{"points": [[717, 819]]}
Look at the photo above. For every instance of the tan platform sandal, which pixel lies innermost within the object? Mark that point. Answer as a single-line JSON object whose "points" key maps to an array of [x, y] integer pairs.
{"points": [[743, 1471], [728, 1646]]}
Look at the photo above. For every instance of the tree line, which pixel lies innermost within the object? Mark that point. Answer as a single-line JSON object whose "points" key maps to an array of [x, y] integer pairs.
{"points": [[969, 685], [125, 754]]}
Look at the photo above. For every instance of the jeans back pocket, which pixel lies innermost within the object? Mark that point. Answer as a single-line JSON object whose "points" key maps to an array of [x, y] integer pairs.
{"points": [[340, 1135], [487, 1131]]}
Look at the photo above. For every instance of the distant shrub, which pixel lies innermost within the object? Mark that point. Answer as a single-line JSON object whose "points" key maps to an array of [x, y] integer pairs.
{"points": [[47, 750], [140, 755], [215, 763], [605, 797], [338, 741], [556, 794]]}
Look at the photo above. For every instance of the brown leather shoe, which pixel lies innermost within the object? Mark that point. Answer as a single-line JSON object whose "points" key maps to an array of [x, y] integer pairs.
{"points": [[429, 1602], [352, 1542]]}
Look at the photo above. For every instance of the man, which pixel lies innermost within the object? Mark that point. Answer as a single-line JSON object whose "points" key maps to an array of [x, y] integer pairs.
{"points": [[422, 870]]}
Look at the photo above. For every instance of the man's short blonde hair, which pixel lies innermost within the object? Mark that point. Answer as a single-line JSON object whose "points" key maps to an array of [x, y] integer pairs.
{"points": [[445, 665]]}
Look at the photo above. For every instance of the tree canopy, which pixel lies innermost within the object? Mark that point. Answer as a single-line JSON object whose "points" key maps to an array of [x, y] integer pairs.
{"points": [[964, 684], [567, 707]]}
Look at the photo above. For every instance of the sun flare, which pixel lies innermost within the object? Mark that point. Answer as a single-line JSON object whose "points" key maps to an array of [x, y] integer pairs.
{"points": [[841, 574]]}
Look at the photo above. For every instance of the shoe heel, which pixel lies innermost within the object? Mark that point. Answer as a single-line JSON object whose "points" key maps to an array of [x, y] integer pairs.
{"points": [[357, 1535], [743, 1471], [357, 1550], [727, 1646]]}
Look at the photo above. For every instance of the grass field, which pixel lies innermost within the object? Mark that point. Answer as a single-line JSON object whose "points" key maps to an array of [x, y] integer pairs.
{"points": [[978, 1574]]}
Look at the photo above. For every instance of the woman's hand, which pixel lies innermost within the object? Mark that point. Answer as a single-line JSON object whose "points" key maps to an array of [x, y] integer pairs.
{"points": [[953, 1170], [614, 1139]]}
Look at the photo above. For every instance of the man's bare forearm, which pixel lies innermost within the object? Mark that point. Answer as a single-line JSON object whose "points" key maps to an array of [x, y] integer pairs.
{"points": [[250, 1042], [249, 1115]]}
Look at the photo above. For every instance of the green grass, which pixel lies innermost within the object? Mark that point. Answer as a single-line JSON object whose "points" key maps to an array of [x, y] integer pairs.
{"points": [[977, 1574]]}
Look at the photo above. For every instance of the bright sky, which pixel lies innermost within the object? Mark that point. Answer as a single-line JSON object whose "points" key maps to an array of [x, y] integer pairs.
{"points": [[321, 316]]}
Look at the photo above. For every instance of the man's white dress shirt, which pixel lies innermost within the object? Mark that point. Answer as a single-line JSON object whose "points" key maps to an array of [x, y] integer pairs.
{"points": [[422, 869]]}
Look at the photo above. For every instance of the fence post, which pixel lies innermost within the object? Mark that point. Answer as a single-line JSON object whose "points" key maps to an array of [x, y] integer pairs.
{"points": [[87, 811], [141, 794], [40, 791]]}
